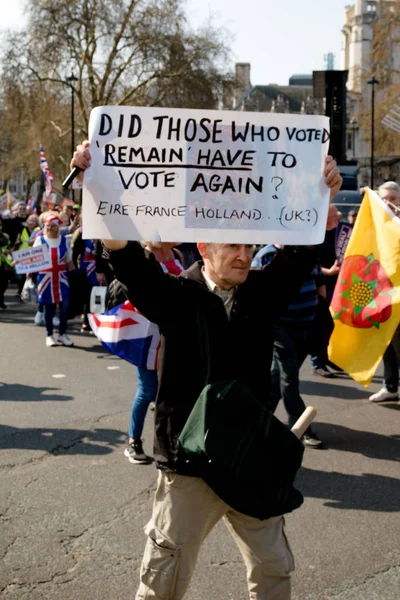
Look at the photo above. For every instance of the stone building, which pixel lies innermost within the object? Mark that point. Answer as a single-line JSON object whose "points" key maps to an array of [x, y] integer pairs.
{"points": [[296, 97], [356, 58]]}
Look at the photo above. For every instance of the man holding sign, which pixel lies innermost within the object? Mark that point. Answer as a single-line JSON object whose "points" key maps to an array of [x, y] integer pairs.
{"points": [[216, 321]]}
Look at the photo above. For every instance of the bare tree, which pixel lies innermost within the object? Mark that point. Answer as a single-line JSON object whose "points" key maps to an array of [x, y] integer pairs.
{"points": [[124, 52]]}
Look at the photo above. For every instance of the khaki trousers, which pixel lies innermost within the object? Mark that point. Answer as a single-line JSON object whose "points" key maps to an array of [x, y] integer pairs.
{"points": [[184, 512]]}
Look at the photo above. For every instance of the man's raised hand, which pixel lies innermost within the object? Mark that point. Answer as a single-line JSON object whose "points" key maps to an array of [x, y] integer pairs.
{"points": [[333, 179]]}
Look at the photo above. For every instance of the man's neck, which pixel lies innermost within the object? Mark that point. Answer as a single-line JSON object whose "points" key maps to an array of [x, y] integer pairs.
{"points": [[211, 277]]}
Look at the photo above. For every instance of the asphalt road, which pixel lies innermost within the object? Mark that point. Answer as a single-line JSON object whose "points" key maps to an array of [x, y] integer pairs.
{"points": [[72, 508]]}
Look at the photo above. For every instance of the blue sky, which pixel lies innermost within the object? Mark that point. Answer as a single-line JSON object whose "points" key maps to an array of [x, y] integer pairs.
{"points": [[277, 37]]}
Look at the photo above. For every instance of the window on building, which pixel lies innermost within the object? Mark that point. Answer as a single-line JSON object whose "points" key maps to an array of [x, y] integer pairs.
{"points": [[349, 141]]}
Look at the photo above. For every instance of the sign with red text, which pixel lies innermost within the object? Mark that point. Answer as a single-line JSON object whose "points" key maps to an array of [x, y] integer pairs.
{"points": [[212, 176], [32, 260]]}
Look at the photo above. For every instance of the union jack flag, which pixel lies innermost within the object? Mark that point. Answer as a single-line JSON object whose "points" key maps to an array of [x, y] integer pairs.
{"points": [[125, 332], [48, 177], [88, 262], [52, 283]]}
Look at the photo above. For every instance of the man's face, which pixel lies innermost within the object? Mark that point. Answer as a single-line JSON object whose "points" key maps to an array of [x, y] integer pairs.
{"points": [[352, 219], [31, 222], [227, 265], [22, 212], [67, 210], [51, 229], [389, 195]]}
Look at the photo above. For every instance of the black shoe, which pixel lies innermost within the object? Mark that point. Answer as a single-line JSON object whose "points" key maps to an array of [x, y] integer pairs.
{"points": [[312, 441], [323, 372], [335, 367], [134, 452], [3, 306]]}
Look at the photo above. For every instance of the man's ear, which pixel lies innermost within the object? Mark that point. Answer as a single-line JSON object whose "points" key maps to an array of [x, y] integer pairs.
{"points": [[202, 248]]}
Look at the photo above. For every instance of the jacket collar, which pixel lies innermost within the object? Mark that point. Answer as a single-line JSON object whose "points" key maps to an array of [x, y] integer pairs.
{"points": [[194, 273]]}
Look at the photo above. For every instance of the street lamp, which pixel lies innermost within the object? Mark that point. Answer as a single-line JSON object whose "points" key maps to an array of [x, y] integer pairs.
{"points": [[372, 82], [354, 127], [71, 80]]}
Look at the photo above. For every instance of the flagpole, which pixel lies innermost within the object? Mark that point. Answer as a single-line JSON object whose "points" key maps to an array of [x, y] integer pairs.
{"points": [[373, 82], [71, 80]]}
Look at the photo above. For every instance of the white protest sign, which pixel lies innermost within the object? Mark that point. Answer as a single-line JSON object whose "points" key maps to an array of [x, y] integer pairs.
{"points": [[198, 175], [32, 260]]}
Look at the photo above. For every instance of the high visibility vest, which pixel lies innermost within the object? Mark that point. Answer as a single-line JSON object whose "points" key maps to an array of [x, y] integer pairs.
{"points": [[3, 257], [25, 237]]}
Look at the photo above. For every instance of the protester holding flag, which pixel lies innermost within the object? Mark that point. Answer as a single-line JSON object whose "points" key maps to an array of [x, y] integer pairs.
{"points": [[52, 283], [136, 340], [390, 194], [24, 241], [366, 301], [170, 260]]}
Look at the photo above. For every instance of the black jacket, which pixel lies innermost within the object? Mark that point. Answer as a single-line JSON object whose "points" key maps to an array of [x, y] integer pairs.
{"points": [[199, 344]]}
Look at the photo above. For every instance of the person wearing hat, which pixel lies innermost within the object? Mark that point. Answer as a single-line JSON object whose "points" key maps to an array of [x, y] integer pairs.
{"points": [[52, 283], [352, 215]]}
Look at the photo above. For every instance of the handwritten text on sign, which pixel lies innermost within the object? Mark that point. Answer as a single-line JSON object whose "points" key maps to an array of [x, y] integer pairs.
{"points": [[197, 175], [32, 260]]}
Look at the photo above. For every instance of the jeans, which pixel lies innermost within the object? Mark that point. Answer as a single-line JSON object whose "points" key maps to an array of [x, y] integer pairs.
{"points": [[318, 362], [49, 309], [146, 392], [391, 369], [290, 351]]}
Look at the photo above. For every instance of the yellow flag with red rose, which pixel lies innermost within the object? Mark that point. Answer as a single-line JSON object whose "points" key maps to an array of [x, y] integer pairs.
{"points": [[366, 302]]}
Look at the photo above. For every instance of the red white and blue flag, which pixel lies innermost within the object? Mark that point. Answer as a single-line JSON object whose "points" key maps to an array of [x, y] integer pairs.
{"points": [[48, 177], [52, 284], [125, 332], [88, 261]]}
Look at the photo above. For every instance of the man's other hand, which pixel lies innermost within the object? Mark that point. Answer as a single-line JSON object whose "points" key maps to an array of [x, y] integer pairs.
{"points": [[81, 158]]}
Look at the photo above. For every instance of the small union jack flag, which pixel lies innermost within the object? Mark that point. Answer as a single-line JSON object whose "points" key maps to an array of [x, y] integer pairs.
{"points": [[48, 177], [88, 261]]}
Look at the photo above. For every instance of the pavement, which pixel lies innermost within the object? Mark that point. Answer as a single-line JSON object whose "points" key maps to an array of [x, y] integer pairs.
{"points": [[72, 508]]}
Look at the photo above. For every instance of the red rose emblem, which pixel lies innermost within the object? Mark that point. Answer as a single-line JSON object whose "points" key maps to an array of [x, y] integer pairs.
{"points": [[363, 293]]}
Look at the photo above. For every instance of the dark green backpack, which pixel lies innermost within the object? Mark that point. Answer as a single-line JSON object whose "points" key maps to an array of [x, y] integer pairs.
{"points": [[245, 454]]}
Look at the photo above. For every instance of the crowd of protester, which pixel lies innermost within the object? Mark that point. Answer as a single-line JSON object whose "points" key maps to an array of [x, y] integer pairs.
{"points": [[63, 292]]}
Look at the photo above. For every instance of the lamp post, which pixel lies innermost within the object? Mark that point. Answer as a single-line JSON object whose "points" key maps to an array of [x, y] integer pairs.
{"points": [[354, 127], [71, 80], [373, 81]]}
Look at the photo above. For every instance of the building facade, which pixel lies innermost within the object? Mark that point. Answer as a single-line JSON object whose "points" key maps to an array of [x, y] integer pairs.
{"points": [[357, 59]]}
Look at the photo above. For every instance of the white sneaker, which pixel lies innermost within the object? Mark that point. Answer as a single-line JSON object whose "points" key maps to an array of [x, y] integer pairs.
{"points": [[383, 395], [56, 321], [50, 341], [65, 340], [39, 318]]}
